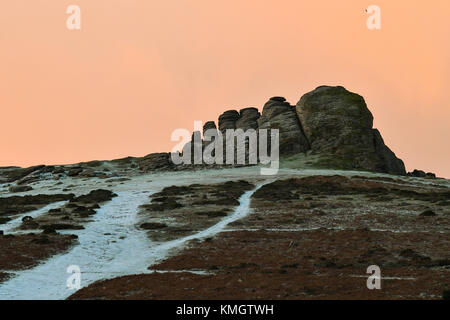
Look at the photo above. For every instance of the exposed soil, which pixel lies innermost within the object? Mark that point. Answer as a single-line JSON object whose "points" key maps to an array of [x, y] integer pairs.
{"points": [[23, 251], [292, 265]]}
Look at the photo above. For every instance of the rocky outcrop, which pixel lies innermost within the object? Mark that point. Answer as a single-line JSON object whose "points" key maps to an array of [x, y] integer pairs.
{"points": [[20, 188], [227, 120], [248, 119], [155, 161], [279, 114], [338, 125], [75, 171], [209, 125], [388, 161], [95, 196], [331, 126], [28, 179], [332, 117], [11, 174], [421, 174]]}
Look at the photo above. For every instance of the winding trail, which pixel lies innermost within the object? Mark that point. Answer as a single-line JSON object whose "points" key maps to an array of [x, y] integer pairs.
{"points": [[99, 256], [110, 246], [161, 251]]}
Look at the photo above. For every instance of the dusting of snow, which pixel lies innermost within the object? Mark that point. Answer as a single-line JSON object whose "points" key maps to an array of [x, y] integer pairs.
{"points": [[112, 246], [162, 251], [120, 252], [109, 246]]}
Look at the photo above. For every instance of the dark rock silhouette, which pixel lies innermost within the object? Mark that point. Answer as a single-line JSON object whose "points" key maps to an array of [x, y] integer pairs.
{"points": [[421, 174], [332, 118], [248, 119], [209, 125], [155, 161], [227, 120], [331, 125], [338, 124], [388, 161]]}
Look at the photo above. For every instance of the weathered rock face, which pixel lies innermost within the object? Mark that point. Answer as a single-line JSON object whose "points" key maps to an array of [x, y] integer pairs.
{"points": [[338, 123], [155, 161], [227, 120], [330, 123], [332, 117], [279, 114], [11, 174], [248, 119], [389, 162], [209, 125]]}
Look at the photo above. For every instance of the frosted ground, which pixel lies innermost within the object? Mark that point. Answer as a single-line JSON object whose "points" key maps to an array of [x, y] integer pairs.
{"points": [[111, 245]]}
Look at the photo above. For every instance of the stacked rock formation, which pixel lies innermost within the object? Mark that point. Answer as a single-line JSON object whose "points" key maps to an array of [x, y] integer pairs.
{"points": [[209, 125], [248, 119], [227, 120], [330, 124]]}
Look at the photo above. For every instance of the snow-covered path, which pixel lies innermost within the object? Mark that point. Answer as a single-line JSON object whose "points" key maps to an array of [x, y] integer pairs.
{"points": [[99, 256], [161, 251], [110, 246]]}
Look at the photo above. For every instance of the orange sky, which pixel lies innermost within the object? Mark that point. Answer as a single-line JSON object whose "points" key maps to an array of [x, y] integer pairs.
{"points": [[140, 69]]}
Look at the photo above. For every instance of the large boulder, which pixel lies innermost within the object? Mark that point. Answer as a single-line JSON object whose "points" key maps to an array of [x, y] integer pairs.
{"points": [[194, 147], [20, 188], [279, 114], [227, 120], [248, 119], [333, 117], [209, 125], [338, 125]]}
